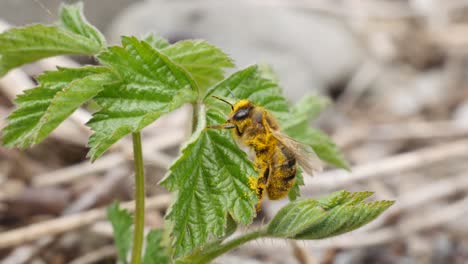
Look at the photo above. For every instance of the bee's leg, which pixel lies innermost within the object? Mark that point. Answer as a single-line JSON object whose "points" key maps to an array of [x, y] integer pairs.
{"points": [[259, 190], [262, 184], [221, 126]]}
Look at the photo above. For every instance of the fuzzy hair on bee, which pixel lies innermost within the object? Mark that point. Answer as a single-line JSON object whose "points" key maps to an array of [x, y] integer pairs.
{"points": [[276, 155]]}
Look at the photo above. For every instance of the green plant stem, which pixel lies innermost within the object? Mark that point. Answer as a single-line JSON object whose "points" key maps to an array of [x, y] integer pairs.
{"points": [[139, 219], [213, 251], [195, 115]]}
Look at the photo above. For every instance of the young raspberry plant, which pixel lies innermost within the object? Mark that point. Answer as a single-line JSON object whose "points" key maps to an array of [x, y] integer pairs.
{"points": [[143, 79]]}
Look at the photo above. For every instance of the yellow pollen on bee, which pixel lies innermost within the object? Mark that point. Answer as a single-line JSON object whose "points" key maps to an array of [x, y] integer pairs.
{"points": [[253, 183]]}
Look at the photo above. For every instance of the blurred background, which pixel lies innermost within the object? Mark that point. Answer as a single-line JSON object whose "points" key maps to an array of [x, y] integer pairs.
{"points": [[395, 71]]}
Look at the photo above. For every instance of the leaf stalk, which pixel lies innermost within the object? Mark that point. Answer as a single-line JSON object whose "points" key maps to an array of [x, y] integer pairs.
{"points": [[196, 108], [212, 251], [139, 219]]}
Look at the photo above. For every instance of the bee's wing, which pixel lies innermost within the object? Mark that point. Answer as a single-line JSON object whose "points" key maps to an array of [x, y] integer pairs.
{"points": [[305, 156]]}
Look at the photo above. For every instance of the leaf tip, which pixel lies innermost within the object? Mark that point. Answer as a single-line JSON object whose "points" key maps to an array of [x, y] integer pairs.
{"points": [[65, 6]]}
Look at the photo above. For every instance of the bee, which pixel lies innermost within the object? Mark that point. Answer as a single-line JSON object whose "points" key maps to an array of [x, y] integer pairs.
{"points": [[276, 154]]}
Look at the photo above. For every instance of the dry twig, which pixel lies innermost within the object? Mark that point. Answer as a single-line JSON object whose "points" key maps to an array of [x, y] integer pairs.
{"points": [[75, 172], [96, 256], [402, 131], [66, 223], [302, 256], [395, 164], [103, 188], [427, 220]]}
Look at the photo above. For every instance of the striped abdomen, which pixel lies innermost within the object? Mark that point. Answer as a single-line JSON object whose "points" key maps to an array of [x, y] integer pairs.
{"points": [[282, 172]]}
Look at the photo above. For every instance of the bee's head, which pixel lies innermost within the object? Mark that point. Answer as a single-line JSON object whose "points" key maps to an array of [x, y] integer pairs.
{"points": [[240, 111], [240, 114]]}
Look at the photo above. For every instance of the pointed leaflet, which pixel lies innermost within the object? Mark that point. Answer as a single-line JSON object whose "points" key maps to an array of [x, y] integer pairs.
{"points": [[307, 109], [246, 84], [203, 61], [72, 19], [23, 45], [211, 179], [121, 221], [155, 253], [325, 148], [330, 216], [149, 85], [299, 128], [156, 41], [41, 109]]}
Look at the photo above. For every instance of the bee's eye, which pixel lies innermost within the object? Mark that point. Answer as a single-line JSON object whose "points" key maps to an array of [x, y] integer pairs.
{"points": [[241, 114]]}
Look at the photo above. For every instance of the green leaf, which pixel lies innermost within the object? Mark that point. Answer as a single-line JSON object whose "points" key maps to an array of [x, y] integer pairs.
{"points": [[155, 253], [325, 148], [246, 84], [307, 109], [121, 221], [23, 45], [211, 180], [149, 85], [72, 19], [330, 216], [203, 61], [41, 109], [298, 127]]}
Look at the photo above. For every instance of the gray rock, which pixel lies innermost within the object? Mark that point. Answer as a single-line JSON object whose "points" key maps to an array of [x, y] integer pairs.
{"points": [[22, 12], [443, 249], [406, 95], [461, 114], [308, 50]]}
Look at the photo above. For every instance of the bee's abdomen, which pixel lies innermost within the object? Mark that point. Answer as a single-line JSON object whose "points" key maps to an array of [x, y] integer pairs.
{"points": [[283, 173]]}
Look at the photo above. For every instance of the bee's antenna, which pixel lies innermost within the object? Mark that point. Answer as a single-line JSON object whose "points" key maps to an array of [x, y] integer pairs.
{"points": [[221, 99]]}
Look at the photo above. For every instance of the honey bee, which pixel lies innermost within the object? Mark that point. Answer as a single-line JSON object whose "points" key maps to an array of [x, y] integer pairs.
{"points": [[276, 155]]}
